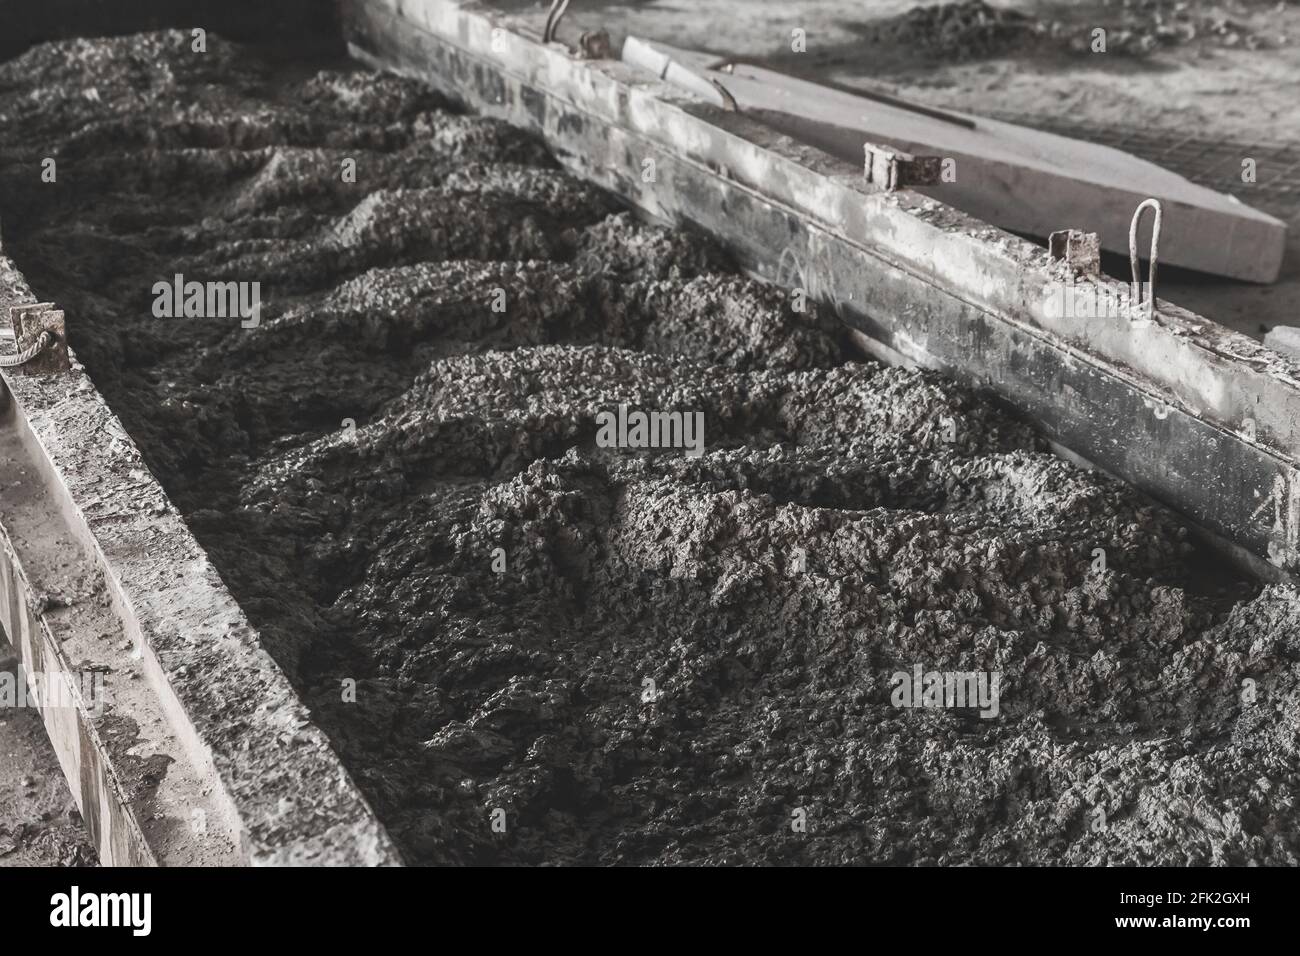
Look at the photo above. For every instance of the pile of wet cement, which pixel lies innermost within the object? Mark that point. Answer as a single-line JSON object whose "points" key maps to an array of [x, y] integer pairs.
{"points": [[975, 30], [683, 659], [1138, 28], [965, 30]]}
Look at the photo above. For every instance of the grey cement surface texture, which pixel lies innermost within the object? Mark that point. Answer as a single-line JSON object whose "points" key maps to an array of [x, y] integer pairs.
{"points": [[39, 822], [531, 648]]}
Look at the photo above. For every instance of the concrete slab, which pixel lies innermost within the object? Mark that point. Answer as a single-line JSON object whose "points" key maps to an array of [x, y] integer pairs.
{"points": [[1014, 177]]}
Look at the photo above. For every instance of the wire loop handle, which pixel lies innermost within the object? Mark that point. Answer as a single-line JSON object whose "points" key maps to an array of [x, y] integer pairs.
{"points": [[553, 18], [26, 355], [1135, 287]]}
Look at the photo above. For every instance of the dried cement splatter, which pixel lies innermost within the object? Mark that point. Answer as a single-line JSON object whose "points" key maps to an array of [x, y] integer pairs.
{"points": [[569, 653]]}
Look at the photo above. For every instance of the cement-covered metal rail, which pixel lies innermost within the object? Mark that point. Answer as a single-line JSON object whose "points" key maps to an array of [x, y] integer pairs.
{"points": [[1202, 418]]}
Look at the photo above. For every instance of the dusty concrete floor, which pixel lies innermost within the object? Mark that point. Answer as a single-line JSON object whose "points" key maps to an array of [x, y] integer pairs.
{"points": [[679, 657], [39, 822]]}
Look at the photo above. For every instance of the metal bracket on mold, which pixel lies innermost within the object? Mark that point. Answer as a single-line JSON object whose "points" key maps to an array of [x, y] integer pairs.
{"points": [[1080, 250], [29, 322], [891, 169]]}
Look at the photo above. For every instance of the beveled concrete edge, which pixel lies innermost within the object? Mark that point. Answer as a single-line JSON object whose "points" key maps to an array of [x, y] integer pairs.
{"points": [[225, 698]]}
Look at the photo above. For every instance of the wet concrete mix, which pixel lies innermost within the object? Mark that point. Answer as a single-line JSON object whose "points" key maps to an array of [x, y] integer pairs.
{"points": [[529, 647]]}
